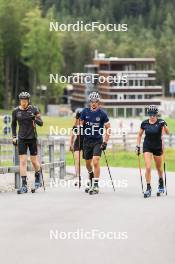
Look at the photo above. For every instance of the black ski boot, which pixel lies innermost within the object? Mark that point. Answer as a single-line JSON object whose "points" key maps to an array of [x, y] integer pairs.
{"points": [[95, 188], [23, 189], [38, 180], [161, 189], [148, 191]]}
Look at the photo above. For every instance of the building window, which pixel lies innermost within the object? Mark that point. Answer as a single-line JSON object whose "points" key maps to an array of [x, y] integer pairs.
{"points": [[131, 96], [114, 96], [140, 96], [130, 82]]}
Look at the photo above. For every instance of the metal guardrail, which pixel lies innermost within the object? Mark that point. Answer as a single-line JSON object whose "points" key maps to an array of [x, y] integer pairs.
{"points": [[128, 141], [51, 165]]}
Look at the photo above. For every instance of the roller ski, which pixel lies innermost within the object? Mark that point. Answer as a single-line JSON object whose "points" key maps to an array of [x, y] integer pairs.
{"points": [[161, 189], [147, 193], [38, 182], [23, 188]]}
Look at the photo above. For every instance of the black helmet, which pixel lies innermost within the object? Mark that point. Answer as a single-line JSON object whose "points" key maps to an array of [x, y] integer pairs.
{"points": [[152, 110], [24, 95]]}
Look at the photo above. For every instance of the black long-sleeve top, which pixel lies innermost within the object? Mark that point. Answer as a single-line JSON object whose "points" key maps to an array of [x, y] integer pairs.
{"points": [[26, 120]]}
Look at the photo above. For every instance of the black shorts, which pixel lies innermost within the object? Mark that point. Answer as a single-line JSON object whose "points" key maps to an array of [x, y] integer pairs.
{"points": [[155, 152], [25, 144], [91, 149], [76, 144]]}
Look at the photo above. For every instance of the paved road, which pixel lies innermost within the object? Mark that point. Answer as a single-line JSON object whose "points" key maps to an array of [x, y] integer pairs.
{"points": [[30, 224]]}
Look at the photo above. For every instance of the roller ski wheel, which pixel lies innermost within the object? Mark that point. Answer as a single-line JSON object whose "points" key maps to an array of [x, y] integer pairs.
{"points": [[147, 194], [160, 191], [37, 186], [94, 190], [33, 190], [22, 190]]}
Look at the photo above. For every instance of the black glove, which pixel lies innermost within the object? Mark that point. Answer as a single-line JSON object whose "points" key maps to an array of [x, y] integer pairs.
{"points": [[163, 123], [78, 114], [138, 150], [103, 145], [31, 115]]}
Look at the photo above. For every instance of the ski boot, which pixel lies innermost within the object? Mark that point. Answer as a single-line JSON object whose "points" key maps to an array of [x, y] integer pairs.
{"points": [[38, 181], [23, 189], [148, 192], [89, 183], [87, 188], [94, 190], [161, 189]]}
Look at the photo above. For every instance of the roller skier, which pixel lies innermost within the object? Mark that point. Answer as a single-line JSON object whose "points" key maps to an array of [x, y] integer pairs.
{"points": [[94, 122], [27, 117], [154, 128]]}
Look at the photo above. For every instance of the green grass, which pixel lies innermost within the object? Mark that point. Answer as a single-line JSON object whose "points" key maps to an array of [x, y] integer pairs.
{"points": [[171, 124], [55, 122], [127, 159], [119, 159]]}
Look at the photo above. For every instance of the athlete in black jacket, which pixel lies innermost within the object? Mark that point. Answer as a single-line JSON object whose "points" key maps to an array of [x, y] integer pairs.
{"points": [[154, 128], [27, 117]]}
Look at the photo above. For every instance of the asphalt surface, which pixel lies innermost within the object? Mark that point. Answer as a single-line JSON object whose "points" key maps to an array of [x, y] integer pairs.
{"points": [[66, 225]]}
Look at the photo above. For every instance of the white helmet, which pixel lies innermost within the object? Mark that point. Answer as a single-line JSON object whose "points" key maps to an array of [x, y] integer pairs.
{"points": [[24, 95], [94, 97], [152, 109]]}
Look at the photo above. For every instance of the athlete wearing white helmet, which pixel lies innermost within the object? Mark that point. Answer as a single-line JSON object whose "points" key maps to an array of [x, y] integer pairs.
{"points": [[94, 97], [94, 120]]}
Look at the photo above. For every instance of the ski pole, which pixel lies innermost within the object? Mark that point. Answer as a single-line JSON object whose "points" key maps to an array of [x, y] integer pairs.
{"points": [[74, 166], [41, 170], [165, 176], [34, 126], [108, 169], [140, 170], [42, 178], [74, 162], [79, 177], [164, 163]]}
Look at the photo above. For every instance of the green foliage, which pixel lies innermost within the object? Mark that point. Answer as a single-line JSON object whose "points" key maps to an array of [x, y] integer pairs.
{"points": [[1, 74], [29, 52], [41, 50]]}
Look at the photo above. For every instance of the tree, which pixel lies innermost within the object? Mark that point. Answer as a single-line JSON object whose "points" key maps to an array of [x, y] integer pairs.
{"points": [[41, 52]]}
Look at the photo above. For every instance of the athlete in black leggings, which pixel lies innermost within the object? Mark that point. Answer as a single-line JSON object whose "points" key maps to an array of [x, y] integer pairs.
{"points": [[152, 146], [27, 117]]}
